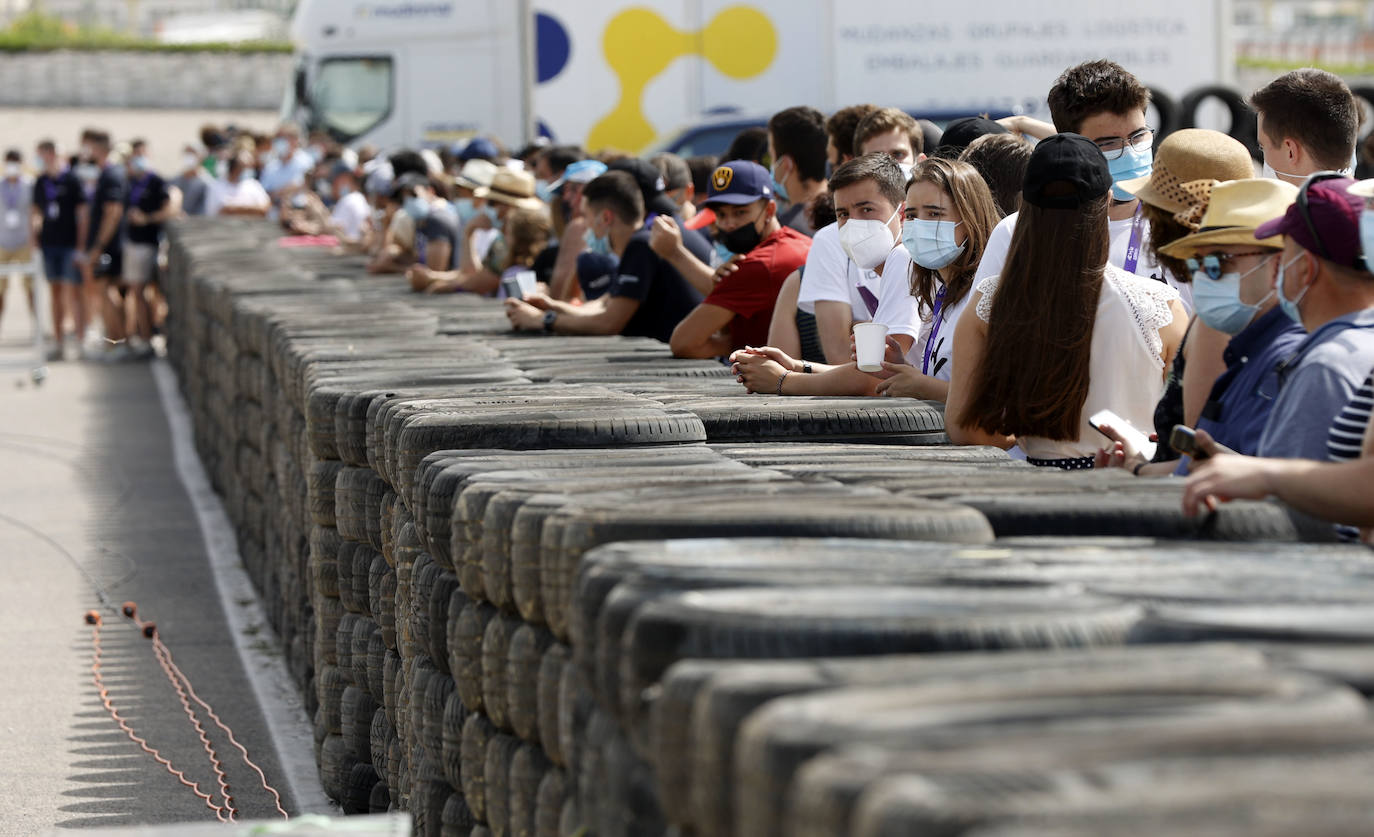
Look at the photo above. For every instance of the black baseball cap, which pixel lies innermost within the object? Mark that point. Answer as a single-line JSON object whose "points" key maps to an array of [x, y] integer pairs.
{"points": [[961, 133], [1065, 160], [651, 184]]}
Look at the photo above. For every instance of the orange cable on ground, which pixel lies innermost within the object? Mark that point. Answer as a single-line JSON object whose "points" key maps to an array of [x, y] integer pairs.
{"points": [[93, 619], [186, 693]]}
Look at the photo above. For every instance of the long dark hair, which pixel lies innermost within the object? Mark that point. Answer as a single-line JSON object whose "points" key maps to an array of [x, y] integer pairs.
{"points": [[1165, 229], [972, 199], [1034, 376]]}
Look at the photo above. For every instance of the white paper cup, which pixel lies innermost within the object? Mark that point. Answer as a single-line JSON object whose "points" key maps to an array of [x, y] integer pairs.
{"points": [[870, 344], [528, 282]]}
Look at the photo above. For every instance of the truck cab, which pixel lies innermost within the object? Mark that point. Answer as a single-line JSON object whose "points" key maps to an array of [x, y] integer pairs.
{"points": [[419, 73]]}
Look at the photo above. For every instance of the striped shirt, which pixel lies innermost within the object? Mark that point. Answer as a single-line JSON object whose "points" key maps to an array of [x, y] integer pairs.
{"points": [[1347, 433]]}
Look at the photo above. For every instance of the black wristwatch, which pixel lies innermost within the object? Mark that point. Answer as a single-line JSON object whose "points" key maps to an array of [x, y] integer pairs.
{"points": [[549, 317], [806, 368]]}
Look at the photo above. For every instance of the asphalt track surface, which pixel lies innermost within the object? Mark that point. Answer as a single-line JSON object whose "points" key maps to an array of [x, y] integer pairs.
{"points": [[91, 504]]}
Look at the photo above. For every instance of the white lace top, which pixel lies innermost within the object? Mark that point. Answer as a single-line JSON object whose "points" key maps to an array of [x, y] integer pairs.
{"points": [[1126, 370]]}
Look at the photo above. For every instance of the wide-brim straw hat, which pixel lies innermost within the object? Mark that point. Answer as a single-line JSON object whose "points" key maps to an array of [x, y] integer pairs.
{"points": [[476, 174], [1362, 188], [1186, 156], [513, 188], [1236, 210]]}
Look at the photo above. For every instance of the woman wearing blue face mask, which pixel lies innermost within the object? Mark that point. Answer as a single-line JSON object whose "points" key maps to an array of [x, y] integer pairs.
{"points": [[950, 212]]}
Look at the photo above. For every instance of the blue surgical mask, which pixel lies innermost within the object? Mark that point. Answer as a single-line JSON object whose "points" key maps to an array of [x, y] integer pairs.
{"points": [[542, 191], [1217, 301], [598, 244], [249, 174], [1289, 306], [723, 254], [931, 243], [279, 147], [416, 208], [1367, 237], [1129, 166], [466, 209], [779, 191], [139, 164], [345, 191]]}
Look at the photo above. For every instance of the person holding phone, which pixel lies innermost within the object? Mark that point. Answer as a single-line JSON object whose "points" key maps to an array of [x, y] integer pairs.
{"points": [[1060, 334], [1233, 293]]}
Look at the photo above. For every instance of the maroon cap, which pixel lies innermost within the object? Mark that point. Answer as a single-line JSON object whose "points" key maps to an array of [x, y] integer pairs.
{"points": [[1335, 216]]}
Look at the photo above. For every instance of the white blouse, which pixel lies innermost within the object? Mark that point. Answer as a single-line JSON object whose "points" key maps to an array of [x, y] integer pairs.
{"points": [[1126, 370]]}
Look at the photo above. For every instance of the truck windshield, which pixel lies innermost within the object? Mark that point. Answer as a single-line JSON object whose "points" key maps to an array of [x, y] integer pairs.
{"points": [[351, 95]]}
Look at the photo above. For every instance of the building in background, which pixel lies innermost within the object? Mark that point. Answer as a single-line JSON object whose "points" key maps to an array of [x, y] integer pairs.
{"points": [[179, 21]]}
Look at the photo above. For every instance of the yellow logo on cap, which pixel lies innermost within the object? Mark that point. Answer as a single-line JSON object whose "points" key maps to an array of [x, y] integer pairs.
{"points": [[721, 177]]}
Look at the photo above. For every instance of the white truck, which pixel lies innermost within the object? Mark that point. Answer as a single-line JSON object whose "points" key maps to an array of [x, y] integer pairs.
{"points": [[627, 73]]}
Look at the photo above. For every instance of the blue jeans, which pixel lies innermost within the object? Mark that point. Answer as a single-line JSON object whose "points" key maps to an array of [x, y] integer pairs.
{"points": [[59, 264]]}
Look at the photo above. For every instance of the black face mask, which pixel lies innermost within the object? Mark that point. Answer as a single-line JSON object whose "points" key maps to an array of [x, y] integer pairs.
{"points": [[741, 239]]}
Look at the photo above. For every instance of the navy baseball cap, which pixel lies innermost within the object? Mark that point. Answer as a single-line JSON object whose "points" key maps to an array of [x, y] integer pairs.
{"points": [[739, 182], [479, 148]]}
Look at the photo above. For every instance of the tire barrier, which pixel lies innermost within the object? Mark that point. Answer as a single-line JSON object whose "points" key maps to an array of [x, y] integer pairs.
{"points": [[549, 586], [1242, 125]]}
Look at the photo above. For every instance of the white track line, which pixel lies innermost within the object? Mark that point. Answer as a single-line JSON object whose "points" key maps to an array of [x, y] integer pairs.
{"points": [[277, 694]]}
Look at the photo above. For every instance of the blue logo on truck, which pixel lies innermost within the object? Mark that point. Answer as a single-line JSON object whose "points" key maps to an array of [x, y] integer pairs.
{"points": [[401, 11]]}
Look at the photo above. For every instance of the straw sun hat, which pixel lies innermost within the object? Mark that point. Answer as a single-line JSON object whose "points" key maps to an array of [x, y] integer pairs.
{"points": [[1236, 210]]}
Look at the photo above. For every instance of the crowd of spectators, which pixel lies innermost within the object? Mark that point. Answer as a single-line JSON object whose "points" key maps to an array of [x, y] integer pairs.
{"points": [[1057, 285]]}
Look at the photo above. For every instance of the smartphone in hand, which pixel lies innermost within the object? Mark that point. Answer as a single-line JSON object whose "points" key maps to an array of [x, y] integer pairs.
{"points": [[1140, 441], [1184, 440]]}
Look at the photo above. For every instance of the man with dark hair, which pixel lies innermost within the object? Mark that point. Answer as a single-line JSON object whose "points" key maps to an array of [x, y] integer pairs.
{"points": [[59, 206], [147, 205], [894, 132], [646, 297], [796, 146], [677, 182], [702, 166], [103, 257], [1308, 122], [737, 312], [839, 131], [1105, 103], [1001, 159]]}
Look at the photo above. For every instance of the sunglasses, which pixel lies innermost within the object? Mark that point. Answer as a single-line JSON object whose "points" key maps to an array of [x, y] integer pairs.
{"points": [[1213, 264], [1307, 215]]}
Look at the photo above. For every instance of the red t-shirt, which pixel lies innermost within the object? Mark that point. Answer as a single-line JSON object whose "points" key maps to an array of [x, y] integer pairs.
{"points": [[752, 290]]}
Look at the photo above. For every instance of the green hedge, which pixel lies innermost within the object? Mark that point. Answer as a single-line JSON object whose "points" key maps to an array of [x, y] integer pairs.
{"points": [[1346, 71], [34, 32]]}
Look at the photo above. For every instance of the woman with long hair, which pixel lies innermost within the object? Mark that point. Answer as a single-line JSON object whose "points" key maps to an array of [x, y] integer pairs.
{"points": [[1060, 334], [950, 212]]}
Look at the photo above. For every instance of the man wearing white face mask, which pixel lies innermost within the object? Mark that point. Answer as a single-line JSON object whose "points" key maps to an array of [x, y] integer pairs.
{"points": [[737, 312], [1308, 121]]}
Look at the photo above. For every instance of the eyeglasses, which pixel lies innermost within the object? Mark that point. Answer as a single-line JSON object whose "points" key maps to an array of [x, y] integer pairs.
{"points": [[1213, 264], [1113, 147], [1306, 215]]}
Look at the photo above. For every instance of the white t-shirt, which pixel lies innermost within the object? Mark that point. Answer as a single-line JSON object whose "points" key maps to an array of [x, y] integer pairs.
{"points": [[831, 277], [350, 214], [940, 336], [246, 194], [897, 308], [999, 244]]}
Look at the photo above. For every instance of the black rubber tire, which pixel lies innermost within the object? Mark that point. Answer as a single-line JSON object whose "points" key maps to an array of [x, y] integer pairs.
{"points": [[781, 509], [1243, 126], [556, 659], [495, 648], [436, 696], [324, 556], [356, 710], [451, 740], [358, 786], [343, 645], [1167, 109], [780, 737], [335, 765], [1302, 623], [351, 489], [467, 627], [524, 658], [553, 794], [477, 733], [440, 615], [345, 566], [528, 768], [376, 665], [322, 478], [774, 418], [381, 734], [457, 818], [329, 687], [501, 751]]}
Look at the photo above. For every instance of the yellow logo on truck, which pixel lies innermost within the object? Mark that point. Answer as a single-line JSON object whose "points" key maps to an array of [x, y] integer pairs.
{"points": [[740, 42]]}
